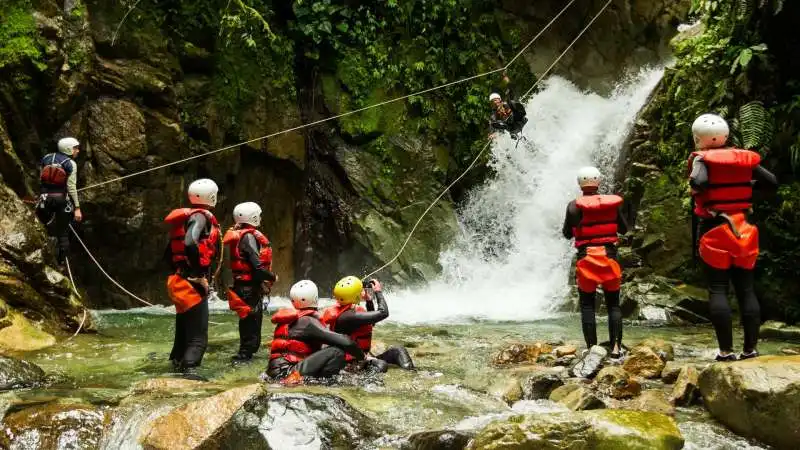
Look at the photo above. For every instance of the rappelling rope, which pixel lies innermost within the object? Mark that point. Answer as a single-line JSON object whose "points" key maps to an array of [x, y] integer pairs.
{"points": [[75, 290], [485, 147], [338, 116]]}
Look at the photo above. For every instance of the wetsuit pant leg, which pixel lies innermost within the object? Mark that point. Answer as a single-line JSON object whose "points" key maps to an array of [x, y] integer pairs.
{"points": [[614, 318], [196, 334], [250, 326], [398, 356], [56, 214], [322, 364], [179, 344], [748, 306], [719, 309], [588, 320]]}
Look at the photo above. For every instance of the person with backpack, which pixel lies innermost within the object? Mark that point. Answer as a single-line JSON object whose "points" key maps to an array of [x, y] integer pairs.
{"points": [[507, 115]]}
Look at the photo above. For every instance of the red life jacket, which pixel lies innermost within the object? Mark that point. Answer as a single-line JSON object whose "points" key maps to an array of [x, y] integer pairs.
{"points": [[292, 350], [598, 220], [361, 335], [207, 245], [730, 172], [239, 266]]}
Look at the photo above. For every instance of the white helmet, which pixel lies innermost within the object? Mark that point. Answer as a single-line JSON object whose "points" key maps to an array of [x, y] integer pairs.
{"points": [[248, 212], [203, 192], [589, 177], [304, 294], [710, 131], [495, 96], [67, 145]]}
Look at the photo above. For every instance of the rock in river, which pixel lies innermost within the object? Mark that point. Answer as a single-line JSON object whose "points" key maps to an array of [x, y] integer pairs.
{"points": [[17, 373]]}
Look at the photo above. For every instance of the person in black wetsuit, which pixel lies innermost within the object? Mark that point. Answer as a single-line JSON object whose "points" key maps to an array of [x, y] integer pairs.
{"points": [[595, 221], [348, 318], [251, 264], [506, 116], [58, 202], [297, 349], [194, 242], [722, 181]]}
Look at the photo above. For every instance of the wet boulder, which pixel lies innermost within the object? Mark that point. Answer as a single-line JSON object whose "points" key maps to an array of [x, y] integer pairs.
{"points": [[582, 398], [17, 373], [617, 383], [438, 440], [521, 353], [651, 400], [644, 361], [758, 398], [662, 348], [617, 429], [509, 390], [686, 392], [779, 331], [564, 350], [560, 393], [53, 426], [670, 372], [590, 364], [541, 384]]}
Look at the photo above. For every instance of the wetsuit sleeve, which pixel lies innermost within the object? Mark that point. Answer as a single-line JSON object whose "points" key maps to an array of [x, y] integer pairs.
{"points": [[764, 179], [314, 330], [622, 223], [353, 319], [248, 247], [571, 220], [698, 178], [72, 185], [194, 230]]}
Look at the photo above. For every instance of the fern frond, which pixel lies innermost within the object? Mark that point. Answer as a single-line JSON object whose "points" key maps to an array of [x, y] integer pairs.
{"points": [[742, 10], [755, 125]]}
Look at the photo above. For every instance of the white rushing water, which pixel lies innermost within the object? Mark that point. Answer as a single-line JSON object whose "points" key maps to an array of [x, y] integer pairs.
{"points": [[510, 261]]}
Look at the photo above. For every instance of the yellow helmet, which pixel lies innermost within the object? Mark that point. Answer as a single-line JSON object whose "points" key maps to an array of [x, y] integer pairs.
{"points": [[348, 290]]}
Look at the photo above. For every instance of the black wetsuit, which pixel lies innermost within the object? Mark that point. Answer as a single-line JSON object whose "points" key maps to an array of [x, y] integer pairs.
{"points": [[350, 320], [719, 280], [251, 292], [57, 204], [587, 299], [323, 363], [191, 327], [515, 121]]}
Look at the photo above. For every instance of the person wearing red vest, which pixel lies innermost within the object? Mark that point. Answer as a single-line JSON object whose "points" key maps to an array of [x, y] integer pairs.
{"points": [[595, 220], [349, 318], [251, 264], [297, 349], [722, 181], [194, 242]]}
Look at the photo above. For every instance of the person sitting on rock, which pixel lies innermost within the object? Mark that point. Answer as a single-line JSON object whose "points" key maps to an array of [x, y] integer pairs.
{"points": [[251, 265], [506, 116], [58, 203], [194, 243], [348, 318], [297, 349], [595, 220], [722, 180]]}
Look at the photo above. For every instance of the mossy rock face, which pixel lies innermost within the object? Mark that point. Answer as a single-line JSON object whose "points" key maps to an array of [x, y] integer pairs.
{"points": [[53, 426], [758, 398], [606, 429]]}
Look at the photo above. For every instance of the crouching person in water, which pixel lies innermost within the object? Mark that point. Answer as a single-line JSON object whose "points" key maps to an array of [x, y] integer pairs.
{"points": [[347, 317], [296, 351], [251, 264], [594, 220]]}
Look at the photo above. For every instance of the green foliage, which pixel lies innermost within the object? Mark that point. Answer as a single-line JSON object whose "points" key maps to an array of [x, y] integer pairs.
{"points": [[19, 41], [753, 126]]}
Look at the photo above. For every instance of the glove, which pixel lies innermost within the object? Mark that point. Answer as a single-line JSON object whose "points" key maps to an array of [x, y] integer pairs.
{"points": [[376, 285]]}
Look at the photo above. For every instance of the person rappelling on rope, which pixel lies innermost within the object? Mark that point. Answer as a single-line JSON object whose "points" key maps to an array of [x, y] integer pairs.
{"points": [[722, 180], [194, 243], [251, 265], [297, 349], [348, 318], [595, 221], [506, 115], [58, 201]]}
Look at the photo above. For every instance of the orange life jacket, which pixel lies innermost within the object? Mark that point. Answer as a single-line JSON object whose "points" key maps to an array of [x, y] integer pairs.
{"points": [[361, 335], [239, 266], [292, 350], [730, 173], [599, 215], [207, 245]]}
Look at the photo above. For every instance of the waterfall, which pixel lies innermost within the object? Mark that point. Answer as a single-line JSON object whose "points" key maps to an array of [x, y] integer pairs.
{"points": [[510, 261]]}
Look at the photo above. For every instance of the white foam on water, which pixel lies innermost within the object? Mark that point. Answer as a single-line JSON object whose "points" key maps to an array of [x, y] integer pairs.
{"points": [[510, 261]]}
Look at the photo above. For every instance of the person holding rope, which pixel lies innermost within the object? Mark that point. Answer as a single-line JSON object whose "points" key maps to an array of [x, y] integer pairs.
{"points": [[194, 243], [350, 319], [506, 116], [251, 265], [58, 201]]}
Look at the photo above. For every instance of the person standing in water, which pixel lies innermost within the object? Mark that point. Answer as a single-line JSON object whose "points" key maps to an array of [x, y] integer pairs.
{"points": [[722, 180], [251, 265], [351, 319], [194, 243], [58, 202], [595, 221]]}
